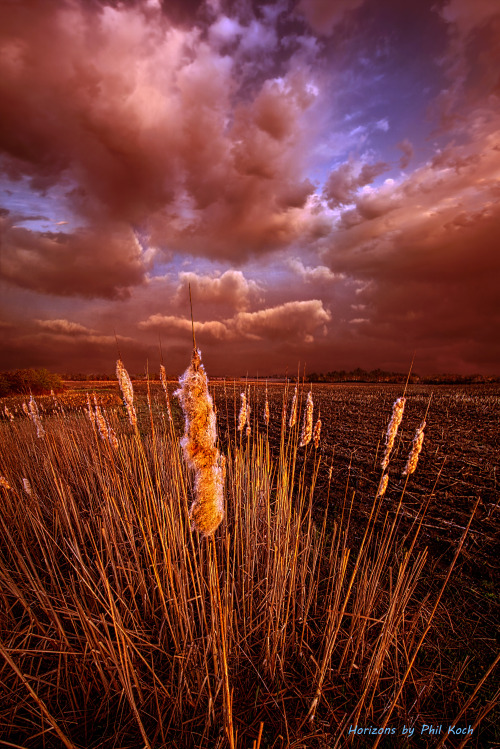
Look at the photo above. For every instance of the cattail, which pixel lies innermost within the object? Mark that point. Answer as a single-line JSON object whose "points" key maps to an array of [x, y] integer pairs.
{"points": [[293, 412], [90, 411], [127, 391], [113, 440], [416, 447], [317, 433], [4, 484], [249, 428], [34, 415], [383, 485], [266, 410], [25, 409], [100, 421], [242, 418], [9, 414], [198, 445], [307, 425], [392, 429], [27, 486], [163, 378]]}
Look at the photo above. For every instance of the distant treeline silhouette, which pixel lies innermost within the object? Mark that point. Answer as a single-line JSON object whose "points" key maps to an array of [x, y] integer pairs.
{"points": [[26, 381]]}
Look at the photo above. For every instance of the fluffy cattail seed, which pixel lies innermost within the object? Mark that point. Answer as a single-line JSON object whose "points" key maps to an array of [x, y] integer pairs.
{"points": [[34, 415], [416, 447], [266, 410], [4, 484], [383, 485], [127, 390], [198, 445], [242, 418], [307, 425], [392, 429], [100, 421], [27, 486]]}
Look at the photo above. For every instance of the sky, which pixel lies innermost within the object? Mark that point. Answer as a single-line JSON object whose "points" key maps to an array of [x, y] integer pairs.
{"points": [[324, 174]]}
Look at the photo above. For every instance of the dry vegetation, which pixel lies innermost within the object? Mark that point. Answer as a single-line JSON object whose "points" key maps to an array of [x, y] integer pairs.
{"points": [[315, 606]]}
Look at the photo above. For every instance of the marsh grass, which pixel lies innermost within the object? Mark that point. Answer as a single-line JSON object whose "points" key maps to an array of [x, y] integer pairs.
{"points": [[121, 627]]}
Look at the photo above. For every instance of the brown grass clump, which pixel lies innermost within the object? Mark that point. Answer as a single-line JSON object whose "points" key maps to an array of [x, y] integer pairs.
{"points": [[198, 444]]}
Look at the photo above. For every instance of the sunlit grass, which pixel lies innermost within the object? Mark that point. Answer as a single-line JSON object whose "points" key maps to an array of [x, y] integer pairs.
{"points": [[122, 627]]}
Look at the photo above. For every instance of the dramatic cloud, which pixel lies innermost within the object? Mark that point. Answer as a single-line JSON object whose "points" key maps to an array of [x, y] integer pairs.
{"points": [[343, 183], [161, 129], [230, 289], [323, 175], [290, 321], [86, 263]]}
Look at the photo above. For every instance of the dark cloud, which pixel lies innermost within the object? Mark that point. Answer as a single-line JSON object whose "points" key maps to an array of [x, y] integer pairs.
{"points": [[86, 263], [343, 183], [153, 126]]}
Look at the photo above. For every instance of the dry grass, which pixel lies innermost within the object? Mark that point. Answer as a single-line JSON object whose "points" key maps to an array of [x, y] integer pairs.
{"points": [[121, 627]]}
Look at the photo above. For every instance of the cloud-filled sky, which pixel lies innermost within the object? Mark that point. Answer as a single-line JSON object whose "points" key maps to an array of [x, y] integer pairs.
{"points": [[323, 173]]}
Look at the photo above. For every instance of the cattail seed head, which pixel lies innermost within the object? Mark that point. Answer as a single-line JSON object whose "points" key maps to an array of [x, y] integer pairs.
{"points": [[27, 486], [242, 418], [127, 391], [307, 425], [4, 484], [416, 447], [383, 485], [392, 429], [249, 428], [100, 421], [34, 415], [198, 445], [266, 410]]}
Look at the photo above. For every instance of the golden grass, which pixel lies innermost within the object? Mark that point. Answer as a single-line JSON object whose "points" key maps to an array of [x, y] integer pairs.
{"points": [[122, 627]]}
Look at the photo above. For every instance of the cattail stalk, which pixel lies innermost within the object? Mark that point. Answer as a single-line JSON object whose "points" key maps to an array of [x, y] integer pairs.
{"points": [[34, 415], [198, 445], [100, 421], [317, 432], [266, 410], [307, 425], [242, 418], [127, 391], [416, 447], [293, 412], [396, 418], [163, 378]]}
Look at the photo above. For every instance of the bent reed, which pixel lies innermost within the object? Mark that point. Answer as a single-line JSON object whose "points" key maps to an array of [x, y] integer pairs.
{"points": [[137, 613]]}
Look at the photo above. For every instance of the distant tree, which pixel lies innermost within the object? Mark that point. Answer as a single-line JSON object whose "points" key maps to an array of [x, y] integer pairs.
{"points": [[25, 381]]}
